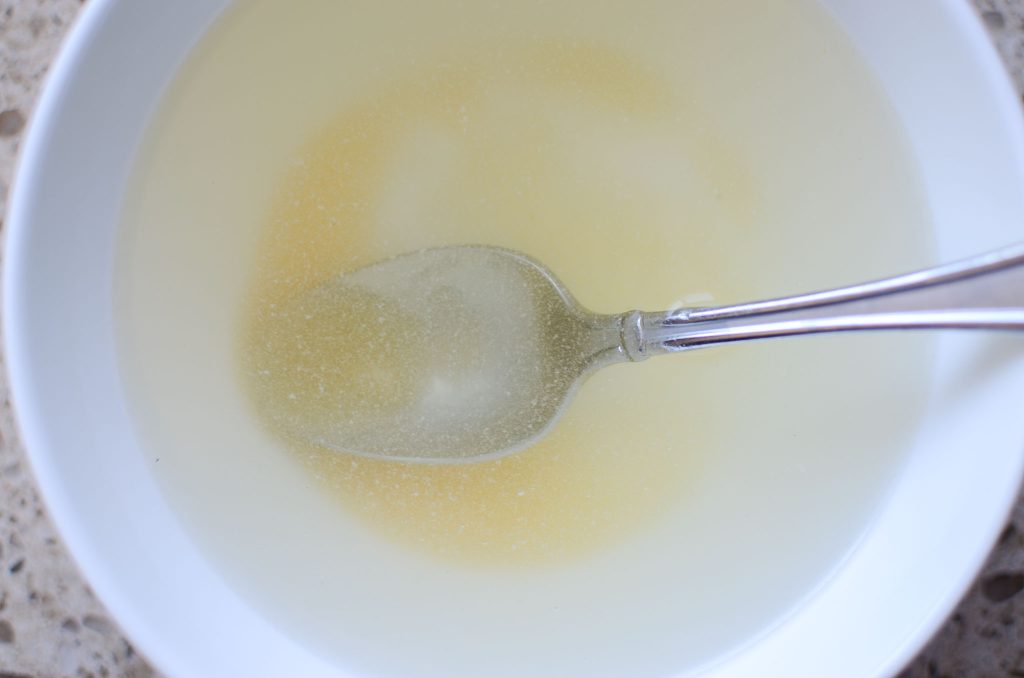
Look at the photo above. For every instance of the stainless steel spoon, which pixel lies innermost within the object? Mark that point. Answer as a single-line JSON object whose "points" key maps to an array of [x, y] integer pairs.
{"points": [[469, 353]]}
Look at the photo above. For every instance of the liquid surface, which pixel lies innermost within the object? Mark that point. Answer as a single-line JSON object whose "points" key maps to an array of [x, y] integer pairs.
{"points": [[652, 155]]}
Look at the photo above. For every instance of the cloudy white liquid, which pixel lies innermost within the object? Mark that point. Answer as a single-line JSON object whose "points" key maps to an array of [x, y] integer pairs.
{"points": [[649, 153]]}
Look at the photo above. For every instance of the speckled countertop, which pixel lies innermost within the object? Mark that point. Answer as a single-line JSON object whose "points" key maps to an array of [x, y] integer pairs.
{"points": [[52, 626]]}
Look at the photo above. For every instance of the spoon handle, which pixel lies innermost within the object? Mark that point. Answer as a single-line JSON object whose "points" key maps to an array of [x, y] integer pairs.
{"points": [[983, 292]]}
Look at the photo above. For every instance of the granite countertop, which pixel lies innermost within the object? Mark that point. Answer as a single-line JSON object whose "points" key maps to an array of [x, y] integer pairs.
{"points": [[52, 626]]}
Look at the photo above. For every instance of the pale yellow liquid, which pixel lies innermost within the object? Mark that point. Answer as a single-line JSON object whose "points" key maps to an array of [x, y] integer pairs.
{"points": [[651, 154]]}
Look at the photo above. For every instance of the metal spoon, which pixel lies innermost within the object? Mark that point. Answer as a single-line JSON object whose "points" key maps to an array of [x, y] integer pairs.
{"points": [[469, 353]]}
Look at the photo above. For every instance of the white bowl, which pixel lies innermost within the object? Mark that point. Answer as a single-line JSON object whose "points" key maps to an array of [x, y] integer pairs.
{"points": [[947, 84]]}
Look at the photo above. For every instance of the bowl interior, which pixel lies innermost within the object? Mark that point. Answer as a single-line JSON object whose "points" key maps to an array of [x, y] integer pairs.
{"points": [[928, 541]]}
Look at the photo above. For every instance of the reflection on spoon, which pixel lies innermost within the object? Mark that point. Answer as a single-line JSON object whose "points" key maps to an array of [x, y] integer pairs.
{"points": [[468, 353]]}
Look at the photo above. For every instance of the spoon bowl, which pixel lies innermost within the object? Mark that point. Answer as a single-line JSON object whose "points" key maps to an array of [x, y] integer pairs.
{"points": [[441, 354]]}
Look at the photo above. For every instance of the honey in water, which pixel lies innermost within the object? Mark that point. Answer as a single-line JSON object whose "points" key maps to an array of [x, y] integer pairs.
{"points": [[652, 154], [493, 149]]}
